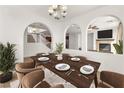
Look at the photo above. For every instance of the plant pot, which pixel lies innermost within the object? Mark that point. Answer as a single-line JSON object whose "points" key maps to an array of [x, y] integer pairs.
{"points": [[59, 57], [5, 77]]}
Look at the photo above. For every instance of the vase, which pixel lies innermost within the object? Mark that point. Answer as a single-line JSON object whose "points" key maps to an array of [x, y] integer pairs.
{"points": [[59, 57]]}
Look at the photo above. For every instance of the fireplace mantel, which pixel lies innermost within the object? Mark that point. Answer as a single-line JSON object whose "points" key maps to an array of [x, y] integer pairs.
{"points": [[105, 39]]}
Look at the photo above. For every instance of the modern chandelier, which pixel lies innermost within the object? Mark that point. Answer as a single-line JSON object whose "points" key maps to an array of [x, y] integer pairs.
{"points": [[58, 11]]}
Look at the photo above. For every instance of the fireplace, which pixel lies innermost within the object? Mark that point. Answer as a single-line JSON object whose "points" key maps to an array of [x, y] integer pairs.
{"points": [[103, 47]]}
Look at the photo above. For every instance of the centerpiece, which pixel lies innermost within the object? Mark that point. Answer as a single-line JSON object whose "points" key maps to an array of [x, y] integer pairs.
{"points": [[58, 51]]}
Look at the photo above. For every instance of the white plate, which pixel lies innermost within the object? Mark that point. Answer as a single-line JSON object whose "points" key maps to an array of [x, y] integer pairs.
{"points": [[87, 69], [43, 58], [62, 67], [45, 54], [75, 59]]}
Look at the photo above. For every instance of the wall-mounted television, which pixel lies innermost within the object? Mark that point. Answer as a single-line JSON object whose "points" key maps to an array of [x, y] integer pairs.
{"points": [[105, 34]]}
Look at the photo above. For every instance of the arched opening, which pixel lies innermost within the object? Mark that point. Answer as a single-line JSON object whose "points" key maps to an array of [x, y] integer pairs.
{"points": [[37, 38], [104, 34], [73, 37]]}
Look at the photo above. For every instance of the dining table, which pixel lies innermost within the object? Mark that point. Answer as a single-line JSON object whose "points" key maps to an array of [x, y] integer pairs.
{"points": [[73, 75]]}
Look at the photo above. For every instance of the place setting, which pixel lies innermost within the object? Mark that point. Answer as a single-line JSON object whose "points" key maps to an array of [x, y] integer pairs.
{"points": [[86, 70], [44, 59], [42, 54], [62, 67], [45, 54], [75, 59]]}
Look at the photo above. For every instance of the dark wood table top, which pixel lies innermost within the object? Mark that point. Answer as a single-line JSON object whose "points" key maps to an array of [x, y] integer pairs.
{"points": [[75, 78]]}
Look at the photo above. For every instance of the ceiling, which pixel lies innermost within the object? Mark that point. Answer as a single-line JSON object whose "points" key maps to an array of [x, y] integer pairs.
{"points": [[42, 10], [105, 22], [75, 10]]}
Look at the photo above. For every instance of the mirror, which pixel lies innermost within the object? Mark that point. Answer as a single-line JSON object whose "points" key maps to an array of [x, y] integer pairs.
{"points": [[73, 37], [104, 34], [38, 33]]}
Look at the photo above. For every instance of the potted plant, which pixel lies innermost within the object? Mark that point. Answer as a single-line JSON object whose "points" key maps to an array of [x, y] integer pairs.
{"points": [[58, 51], [7, 61], [119, 47]]}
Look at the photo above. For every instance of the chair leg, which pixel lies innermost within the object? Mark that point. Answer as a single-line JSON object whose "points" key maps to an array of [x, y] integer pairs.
{"points": [[20, 85]]}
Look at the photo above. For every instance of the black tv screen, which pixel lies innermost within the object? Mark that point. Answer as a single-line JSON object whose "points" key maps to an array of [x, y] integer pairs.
{"points": [[105, 33]]}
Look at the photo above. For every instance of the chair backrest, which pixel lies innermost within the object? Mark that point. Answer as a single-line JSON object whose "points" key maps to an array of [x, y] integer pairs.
{"points": [[28, 60], [82, 57], [65, 54], [20, 66], [21, 69], [32, 78], [114, 79]]}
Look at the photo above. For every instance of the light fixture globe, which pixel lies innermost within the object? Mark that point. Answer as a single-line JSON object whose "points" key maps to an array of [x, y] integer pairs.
{"points": [[58, 11], [63, 7], [54, 6]]}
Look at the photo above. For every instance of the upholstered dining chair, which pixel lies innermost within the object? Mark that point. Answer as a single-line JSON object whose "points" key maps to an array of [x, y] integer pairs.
{"points": [[65, 54], [24, 68], [35, 79], [82, 57], [111, 79], [28, 60]]}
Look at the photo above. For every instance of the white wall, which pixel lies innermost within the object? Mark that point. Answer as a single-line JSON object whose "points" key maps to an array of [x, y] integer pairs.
{"points": [[13, 22], [108, 61], [15, 19]]}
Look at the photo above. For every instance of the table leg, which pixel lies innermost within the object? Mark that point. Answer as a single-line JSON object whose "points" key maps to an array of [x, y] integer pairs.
{"points": [[96, 81]]}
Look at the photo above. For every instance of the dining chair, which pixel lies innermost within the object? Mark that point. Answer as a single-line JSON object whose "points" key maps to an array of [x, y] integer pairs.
{"points": [[82, 57], [111, 79], [65, 54], [35, 79], [24, 68], [39, 54], [28, 59]]}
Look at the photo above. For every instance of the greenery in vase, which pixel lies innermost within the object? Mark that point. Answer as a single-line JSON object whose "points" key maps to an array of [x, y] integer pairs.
{"points": [[119, 47], [7, 57], [59, 48]]}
